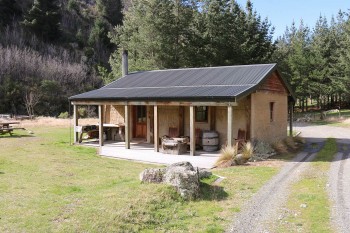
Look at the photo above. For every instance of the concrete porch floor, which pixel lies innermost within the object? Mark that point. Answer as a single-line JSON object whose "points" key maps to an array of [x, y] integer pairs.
{"points": [[144, 152]]}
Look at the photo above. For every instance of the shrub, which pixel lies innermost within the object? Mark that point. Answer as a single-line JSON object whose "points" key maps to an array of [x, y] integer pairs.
{"points": [[227, 155], [82, 112], [290, 143], [280, 147], [299, 139], [263, 148], [247, 150], [63, 115]]}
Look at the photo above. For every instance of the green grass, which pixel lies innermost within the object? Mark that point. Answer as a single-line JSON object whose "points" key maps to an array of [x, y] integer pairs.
{"points": [[311, 190], [48, 186]]}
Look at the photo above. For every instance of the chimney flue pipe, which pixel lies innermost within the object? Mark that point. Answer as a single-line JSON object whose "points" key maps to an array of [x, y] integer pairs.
{"points": [[125, 63]]}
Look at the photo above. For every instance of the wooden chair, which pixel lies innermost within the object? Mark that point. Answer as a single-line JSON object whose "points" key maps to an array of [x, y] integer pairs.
{"points": [[198, 135], [173, 132], [241, 138]]}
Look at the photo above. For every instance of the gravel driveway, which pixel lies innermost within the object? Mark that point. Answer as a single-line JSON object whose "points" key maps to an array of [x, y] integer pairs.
{"points": [[339, 190], [339, 174], [265, 205]]}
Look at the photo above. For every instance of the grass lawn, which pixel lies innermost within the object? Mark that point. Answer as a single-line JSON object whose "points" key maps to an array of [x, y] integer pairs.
{"points": [[48, 186], [311, 191]]}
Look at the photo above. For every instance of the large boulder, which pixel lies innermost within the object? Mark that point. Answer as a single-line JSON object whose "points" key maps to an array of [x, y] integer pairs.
{"points": [[152, 175], [204, 173], [184, 178]]}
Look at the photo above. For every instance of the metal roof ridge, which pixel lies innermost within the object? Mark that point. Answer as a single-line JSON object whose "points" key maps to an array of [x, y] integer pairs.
{"points": [[238, 85], [207, 67]]}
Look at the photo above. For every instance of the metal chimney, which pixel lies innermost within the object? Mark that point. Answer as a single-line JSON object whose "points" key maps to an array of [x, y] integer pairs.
{"points": [[125, 63]]}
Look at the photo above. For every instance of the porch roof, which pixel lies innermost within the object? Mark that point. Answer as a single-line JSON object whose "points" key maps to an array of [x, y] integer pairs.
{"points": [[210, 83]]}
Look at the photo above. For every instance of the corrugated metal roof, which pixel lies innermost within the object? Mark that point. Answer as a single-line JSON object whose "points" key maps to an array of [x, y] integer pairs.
{"points": [[227, 82]]}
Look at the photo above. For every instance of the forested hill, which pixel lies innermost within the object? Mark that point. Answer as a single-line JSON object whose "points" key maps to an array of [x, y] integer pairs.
{"points": [[53, 49]]}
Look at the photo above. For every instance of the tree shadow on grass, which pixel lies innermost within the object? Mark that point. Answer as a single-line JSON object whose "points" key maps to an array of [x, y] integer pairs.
{"points": [[212, 192], [16, 136]]}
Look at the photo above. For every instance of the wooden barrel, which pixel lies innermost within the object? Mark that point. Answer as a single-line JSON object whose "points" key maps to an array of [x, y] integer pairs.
{"points": [[210, 141]]}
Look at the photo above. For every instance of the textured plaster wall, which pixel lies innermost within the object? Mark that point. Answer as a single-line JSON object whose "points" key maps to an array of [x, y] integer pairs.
{"points": [[168, 117], [116, 114], [239, 120], [261, 126]]}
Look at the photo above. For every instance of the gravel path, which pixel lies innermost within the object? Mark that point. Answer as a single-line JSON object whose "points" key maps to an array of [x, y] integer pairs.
{"points": [[339, 174], [319, 132], [339, 191], [265, 204]]}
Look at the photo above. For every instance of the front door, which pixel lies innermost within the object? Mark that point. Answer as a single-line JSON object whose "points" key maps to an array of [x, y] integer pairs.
{"points": [[140, 122]]}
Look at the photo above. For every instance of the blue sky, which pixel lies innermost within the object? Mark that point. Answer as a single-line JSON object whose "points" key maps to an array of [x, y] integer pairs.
{"points": [[281, 13]]}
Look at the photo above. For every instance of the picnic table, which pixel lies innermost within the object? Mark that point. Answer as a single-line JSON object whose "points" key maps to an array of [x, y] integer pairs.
{"points": [[7, 127]]}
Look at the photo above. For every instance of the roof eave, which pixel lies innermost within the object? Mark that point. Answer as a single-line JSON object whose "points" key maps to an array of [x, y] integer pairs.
{"points": [[160, 99]]}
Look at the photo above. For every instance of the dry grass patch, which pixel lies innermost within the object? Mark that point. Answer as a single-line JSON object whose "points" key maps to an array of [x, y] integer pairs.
{"points": [[227, 154], [56, 122]]}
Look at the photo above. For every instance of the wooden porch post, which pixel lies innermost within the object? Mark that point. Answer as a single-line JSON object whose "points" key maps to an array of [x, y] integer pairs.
{"points": [[100, 124], [75, 123], [229, 125], [156, 129], [127, 127], [192, 132], [291, 119]]}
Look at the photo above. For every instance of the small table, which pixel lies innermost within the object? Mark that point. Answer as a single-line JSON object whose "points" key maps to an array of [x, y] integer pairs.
{"points": [[119, 131]]}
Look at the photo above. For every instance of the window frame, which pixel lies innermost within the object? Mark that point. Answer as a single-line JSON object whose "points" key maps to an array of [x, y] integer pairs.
{"points": [[204, 110], [272, 111]]}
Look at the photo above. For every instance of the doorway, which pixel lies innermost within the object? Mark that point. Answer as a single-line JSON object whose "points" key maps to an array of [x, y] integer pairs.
{"points": [[140, 122]]}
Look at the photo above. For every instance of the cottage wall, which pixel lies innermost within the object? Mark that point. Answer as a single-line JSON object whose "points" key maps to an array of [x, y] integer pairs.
{"points": [[168, 117], [198, 125], [262, 128], [274, 92], [240, 120], [114, 114]]}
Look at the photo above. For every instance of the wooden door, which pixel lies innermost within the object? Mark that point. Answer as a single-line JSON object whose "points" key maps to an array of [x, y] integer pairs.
{"points": [[140, 122]]}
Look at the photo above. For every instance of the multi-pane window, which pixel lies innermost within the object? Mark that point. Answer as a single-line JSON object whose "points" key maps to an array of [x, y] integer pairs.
{"points": [[201, 114], [141, 114]]}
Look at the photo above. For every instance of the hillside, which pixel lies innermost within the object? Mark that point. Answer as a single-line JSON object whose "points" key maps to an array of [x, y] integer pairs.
{"points": [[50, 50]]}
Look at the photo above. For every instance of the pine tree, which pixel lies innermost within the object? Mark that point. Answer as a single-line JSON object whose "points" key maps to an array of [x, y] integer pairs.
{"points": [[111, 10], [319, 79], [156, 33], [8, 10], [299, 62], [44, 19], [343, 31], [257, 44]]}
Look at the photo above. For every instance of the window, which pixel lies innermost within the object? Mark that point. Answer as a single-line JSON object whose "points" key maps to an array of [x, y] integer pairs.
{"points": [[271, 111], [202, 114], [141, 114]]}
